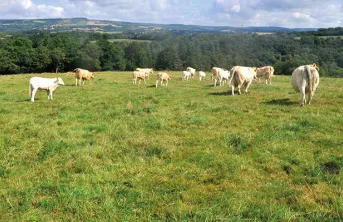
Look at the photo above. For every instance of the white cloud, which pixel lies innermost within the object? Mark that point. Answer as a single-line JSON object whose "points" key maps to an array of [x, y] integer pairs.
{"points": [[21, 9], [286, 13]]}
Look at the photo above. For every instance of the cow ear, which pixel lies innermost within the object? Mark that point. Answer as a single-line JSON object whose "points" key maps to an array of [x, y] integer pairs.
{"points": [[314, 65]]}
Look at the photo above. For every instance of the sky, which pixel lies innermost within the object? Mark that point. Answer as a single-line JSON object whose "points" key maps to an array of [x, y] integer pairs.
{"points": [[237, 13]]}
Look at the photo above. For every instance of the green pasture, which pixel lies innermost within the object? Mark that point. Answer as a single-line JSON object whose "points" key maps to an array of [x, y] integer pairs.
{"points": [[114, 151]]}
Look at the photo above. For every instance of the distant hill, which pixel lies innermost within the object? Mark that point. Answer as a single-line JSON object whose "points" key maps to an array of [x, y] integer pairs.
{"points": [[84, 24]]}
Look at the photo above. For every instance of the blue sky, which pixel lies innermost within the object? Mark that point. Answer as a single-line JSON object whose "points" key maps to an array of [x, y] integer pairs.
{"points": [[284, 13]]}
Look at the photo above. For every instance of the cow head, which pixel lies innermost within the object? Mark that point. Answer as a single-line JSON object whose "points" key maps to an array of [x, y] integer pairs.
{"points": [[92, 75], [59, 81]]}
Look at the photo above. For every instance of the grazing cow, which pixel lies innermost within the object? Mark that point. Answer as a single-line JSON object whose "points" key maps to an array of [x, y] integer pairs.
{"points": [[147, 71], [267, 72], [192, 71], [186, 75], [162, 76], [242, 76], [48, 84], [138, 75], [305, 79], [81, 75], [202, 75]]}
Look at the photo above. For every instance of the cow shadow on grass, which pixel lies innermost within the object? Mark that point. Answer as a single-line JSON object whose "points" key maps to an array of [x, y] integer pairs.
{"points": [[225, 93], [282, 102]]}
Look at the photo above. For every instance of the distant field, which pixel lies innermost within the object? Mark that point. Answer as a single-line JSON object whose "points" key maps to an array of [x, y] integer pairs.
{"points": [[114, 151], [323, 37], [126, 40]]}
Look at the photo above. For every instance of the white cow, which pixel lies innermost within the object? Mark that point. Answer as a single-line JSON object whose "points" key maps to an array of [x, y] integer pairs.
{"points": [[305, 79], [186, 75], [202, 75], [192, 71], [48, 84], [221, 75], [162, 77], [241, 75], [267, 72]]}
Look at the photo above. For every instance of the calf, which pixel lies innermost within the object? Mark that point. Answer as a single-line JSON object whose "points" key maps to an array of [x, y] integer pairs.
{"points": [[162, 76], [48, 84], [138, 75], [186, 75], [192, 71], [81, 75], [202, 75], [267, 72]]}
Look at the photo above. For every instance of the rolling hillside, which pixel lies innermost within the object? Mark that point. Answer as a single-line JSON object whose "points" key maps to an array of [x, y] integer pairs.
{"points": [[85, 24]]}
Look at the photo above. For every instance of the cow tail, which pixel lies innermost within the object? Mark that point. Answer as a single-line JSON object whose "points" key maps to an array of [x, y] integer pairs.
{"points": [[233, 71], [310, 78]]}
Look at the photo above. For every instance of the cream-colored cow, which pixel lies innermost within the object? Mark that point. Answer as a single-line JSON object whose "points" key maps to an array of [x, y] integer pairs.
{"points": [[240, 76], [138, 75], [267, 72], [81, 75], [162, 77], [147, 71], [305, 79]]}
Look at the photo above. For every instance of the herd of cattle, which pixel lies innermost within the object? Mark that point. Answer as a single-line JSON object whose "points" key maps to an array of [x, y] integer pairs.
{"points": [[305, 79]]}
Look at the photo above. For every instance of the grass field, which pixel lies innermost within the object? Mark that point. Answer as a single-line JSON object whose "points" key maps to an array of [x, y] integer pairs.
{"points": [[114, 151]]}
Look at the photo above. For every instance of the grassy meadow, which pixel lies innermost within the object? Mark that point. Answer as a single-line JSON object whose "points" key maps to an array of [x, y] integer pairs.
{"points": [[114, 151]]}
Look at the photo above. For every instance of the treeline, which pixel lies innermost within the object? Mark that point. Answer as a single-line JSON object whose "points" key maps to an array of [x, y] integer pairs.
{"points": [[61, 52], [338, 31]]}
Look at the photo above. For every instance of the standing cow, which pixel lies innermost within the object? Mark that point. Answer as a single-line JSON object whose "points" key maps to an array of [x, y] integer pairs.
{"points": [[305, 79], [138, 75], [267, 72], [162, 77], [192, 71], [147, 71], [241, 75], [40, 83], [202, 75], [81, 75]]}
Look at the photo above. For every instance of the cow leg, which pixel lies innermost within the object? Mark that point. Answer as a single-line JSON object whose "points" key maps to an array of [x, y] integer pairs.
{"points": [[167, 83], [302, 95], [156, 83], [239, 89], [233, 89], [75, 82], [50, 94], [33, 93], [247, 87], [310, 96], [144, 81], [215, 82]]}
